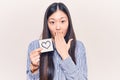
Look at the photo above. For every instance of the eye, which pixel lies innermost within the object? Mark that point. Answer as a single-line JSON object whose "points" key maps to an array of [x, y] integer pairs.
{"points": [[63, 21], [52, 22]]}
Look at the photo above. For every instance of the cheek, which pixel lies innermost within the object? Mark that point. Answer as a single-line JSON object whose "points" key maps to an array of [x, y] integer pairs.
{"points": [[52, 30], [65, 30]]}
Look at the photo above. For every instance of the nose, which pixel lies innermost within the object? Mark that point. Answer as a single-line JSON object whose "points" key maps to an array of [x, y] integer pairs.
{"points": [[58, 26]]}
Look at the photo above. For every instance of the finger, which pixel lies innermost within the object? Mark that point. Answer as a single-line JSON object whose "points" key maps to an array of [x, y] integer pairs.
{"points": [[37, 57], [62, 34], [54, 34], [38, 49], [38, 63], [56, 37], [35, 60], [62, 38], [69, 42], [35, 63], [56, 40], [36, 52], [59, 36]]}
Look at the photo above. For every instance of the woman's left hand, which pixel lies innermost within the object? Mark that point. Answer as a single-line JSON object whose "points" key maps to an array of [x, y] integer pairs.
{"points": [[61, 45]]}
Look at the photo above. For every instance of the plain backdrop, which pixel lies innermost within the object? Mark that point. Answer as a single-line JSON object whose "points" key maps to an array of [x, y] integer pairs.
{"points": [[96, 24]]}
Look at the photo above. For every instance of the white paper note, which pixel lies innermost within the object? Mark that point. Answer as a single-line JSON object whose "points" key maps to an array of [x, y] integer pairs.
{"points": [[46, 45]]}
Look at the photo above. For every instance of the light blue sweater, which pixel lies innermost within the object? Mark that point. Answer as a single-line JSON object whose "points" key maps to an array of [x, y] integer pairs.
{"points": [[64, 69]]}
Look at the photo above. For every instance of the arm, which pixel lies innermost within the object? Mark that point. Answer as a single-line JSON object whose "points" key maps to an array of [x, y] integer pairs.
{"points": [[78, 71], [30, 75]]}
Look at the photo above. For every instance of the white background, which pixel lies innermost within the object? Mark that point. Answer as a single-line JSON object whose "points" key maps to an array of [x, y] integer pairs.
{"points": [[96, 24]]}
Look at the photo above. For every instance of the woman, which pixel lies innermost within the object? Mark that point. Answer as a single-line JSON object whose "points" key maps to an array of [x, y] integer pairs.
{"points": [[68, 60]]}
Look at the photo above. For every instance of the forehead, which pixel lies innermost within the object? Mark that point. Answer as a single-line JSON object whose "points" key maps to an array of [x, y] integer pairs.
{"points": [[58, 15]]}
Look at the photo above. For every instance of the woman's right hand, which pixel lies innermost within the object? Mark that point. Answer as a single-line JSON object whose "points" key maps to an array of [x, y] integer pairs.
{"points": [[35, 58]]}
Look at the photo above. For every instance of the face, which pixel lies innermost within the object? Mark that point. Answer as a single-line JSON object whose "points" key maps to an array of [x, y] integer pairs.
{"points": [[58, 22]]}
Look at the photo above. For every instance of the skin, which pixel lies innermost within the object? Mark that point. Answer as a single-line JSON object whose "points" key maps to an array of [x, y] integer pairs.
{"points": [[58, 25]]}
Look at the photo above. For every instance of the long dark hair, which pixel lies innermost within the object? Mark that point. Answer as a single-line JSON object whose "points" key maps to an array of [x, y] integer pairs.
{"points": [[46, 68]]}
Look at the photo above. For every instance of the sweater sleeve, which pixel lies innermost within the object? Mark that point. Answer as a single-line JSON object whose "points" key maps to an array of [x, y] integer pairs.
{"points": [[76, 71], [30, 75]]}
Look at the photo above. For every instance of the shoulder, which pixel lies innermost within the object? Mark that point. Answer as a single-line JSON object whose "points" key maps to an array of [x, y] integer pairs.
{"points": [[79, 44], [34, 42], [80, 48], [33, 45]]}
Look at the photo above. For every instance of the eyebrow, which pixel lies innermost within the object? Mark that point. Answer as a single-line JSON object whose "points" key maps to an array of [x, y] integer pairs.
{"points": [[54, 18]]}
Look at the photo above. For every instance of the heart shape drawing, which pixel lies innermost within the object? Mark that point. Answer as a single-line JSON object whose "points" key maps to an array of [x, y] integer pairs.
{"points": [[46, 44]]}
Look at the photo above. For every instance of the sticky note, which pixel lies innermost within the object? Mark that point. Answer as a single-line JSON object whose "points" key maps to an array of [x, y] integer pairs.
{"points": [[46, 45]]}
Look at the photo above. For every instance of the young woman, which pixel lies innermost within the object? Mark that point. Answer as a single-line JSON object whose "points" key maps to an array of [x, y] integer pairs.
{"points": [[68, 60]]}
